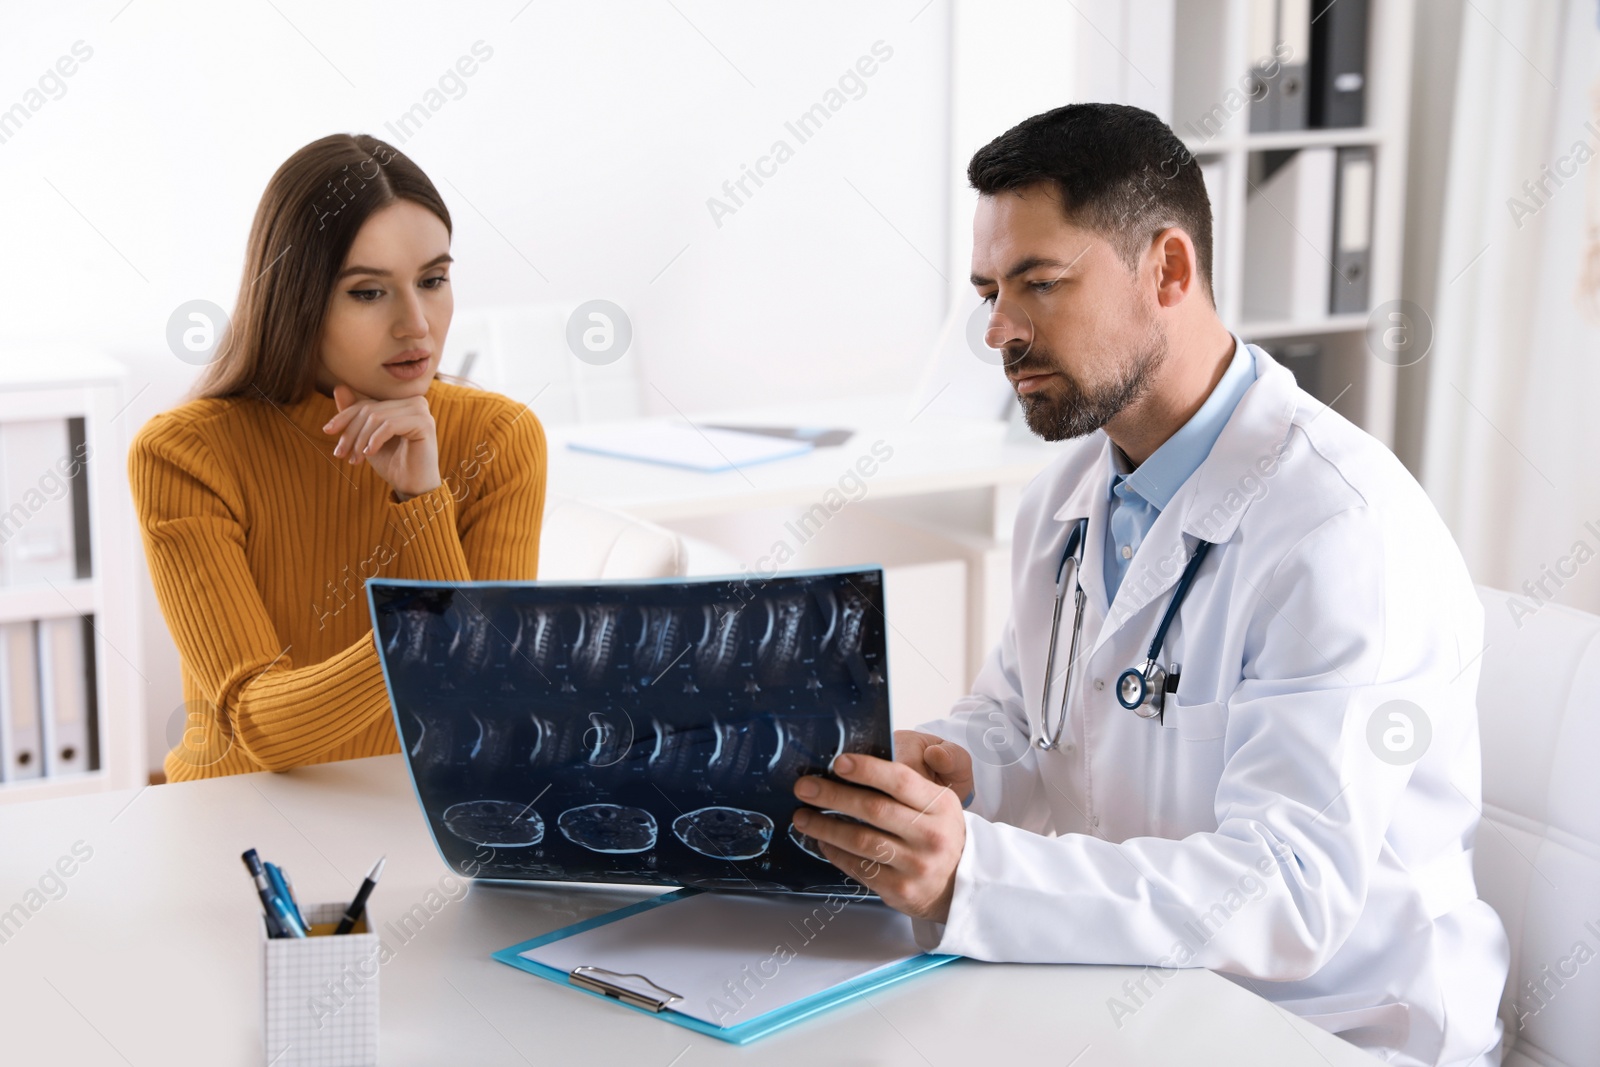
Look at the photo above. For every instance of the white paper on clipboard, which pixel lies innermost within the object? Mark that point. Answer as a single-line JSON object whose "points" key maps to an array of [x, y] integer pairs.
{"points": [[693, 447], [735, 957]]}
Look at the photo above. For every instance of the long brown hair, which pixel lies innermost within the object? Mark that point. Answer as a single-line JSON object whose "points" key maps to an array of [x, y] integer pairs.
{"points": [[304, 226]]}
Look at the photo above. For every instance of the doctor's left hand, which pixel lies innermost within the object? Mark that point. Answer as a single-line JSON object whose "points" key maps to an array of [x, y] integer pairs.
{"points": [[908, 851]]}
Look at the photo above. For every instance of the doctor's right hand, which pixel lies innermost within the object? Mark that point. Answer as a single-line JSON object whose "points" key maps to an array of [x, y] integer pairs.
{"points": [[939, 761]]}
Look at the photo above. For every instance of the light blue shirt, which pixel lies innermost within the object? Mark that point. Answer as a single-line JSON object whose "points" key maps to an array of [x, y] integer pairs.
{"points": [[1137, 496]]}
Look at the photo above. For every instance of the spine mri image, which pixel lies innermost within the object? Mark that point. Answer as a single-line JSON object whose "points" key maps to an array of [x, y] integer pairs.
{"points": [[640, 732]]}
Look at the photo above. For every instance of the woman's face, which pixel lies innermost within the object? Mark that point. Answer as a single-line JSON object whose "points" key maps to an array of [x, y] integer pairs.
{"points": [[390, 307]]}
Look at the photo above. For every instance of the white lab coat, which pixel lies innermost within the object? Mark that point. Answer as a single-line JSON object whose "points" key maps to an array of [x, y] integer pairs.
{"points": [[1255, 831]]}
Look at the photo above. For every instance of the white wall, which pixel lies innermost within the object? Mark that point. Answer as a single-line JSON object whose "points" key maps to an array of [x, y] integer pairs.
{"points": [[577, 164], [1035, 67]]}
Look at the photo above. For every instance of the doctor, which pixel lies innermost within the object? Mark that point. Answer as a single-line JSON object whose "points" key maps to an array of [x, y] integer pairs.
{"points": [[1286, 789]]}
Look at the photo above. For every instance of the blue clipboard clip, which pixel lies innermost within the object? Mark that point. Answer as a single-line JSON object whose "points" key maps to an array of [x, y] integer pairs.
{"points": [[590, 978]]}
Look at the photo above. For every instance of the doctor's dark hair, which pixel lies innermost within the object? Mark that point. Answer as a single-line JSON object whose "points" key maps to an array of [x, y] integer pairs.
{"points": [[308, 217], [1120, 171]]}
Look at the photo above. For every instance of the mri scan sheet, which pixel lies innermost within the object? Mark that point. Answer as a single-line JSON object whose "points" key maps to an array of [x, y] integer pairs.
{"points": [[643, 732]]}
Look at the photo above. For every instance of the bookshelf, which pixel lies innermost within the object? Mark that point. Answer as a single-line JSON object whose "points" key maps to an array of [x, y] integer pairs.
{"points": [[77, 581], [1187, 61]]}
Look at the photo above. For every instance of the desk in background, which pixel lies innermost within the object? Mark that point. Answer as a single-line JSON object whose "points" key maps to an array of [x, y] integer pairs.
{"points": [[152, 954], [930, 496]]}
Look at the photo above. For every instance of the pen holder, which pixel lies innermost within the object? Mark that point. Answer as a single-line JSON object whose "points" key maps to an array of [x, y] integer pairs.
{"points": [[322, 993]]}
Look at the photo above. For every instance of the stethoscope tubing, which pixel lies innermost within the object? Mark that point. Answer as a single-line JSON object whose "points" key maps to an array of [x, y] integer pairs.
{"points": [[1074, 550]]}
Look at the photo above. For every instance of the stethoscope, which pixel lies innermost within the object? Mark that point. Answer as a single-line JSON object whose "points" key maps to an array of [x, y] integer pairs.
{"points": [[1142, 691]]}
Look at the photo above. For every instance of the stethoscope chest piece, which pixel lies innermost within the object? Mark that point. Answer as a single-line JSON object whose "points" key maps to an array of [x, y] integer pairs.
{"points": [[1141, 691]]}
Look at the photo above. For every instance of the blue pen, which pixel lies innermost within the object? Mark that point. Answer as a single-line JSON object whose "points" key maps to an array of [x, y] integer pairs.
{"points": [[294, 901], [286, 918], [280, 887], [276, 925]]}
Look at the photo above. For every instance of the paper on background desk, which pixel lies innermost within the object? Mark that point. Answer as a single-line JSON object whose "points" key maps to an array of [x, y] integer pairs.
{"points": [[794, 946], [696, 448]]}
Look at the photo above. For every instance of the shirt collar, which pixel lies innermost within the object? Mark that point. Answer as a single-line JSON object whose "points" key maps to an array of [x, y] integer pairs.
{"points": [[1165, 470]]}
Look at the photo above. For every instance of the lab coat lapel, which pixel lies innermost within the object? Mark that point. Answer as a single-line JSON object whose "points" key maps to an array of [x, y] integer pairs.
{"points": [[1154, 569], [1246, 457], [1208, 505]]}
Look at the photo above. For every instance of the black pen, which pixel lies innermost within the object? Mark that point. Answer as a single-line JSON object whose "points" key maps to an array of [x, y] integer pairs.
{"points": [[352, 914], [252, 863]]}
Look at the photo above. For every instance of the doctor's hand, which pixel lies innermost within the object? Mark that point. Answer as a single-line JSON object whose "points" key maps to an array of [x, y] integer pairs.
{"points": [[912, 839], [939, 761]]}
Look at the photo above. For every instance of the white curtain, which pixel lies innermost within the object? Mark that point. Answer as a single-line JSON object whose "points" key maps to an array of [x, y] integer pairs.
{"points": [[1512, 436]]}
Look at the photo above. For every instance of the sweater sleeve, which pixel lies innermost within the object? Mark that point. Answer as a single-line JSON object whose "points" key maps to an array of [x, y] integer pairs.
{"points": [[259, 703], [501, 516]]}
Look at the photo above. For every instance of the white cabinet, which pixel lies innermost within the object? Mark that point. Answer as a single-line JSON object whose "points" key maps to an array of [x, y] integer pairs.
{"points": [[71, 693], [1191, 61]]}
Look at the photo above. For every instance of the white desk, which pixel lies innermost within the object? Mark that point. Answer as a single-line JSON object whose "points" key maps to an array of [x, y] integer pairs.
{"points": [[152, 955], [947, 492], [932, 454]]}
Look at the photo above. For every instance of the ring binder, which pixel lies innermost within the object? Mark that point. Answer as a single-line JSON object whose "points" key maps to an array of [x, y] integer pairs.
{"points": [[586, 977]]}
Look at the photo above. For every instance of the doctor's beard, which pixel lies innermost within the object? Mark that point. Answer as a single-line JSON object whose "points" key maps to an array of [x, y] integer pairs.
{"points": [[1065, 408]]}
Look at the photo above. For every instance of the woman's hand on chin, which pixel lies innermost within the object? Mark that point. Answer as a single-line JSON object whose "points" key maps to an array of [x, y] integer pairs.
{"points": [[395, 436]]}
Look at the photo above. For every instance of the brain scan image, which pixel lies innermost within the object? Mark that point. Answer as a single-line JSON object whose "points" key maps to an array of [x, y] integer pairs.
{"points": [[493, 741], [742, 749], [852, 614], [807, 745], [495, 823], [532, 653], [608, 828], [661, 725], [720, 645], [607, 739], [596, 643], [659, 644], [553, 741], [782, 644], [469, 653], [724, 833], [434, 735], [408, 642]]}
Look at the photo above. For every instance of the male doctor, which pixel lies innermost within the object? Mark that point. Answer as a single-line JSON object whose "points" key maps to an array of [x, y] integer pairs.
{"points": [[1295, 804]]}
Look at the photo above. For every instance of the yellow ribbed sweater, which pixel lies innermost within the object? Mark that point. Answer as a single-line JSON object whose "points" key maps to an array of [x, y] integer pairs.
{"points": [[260, 540]]}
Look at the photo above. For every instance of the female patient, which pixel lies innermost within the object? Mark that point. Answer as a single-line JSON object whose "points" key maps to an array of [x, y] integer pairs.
{"points": [[321, 450]]}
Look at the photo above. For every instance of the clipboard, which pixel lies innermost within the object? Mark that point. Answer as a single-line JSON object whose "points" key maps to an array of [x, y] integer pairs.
{"points": [[838, 948]]}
